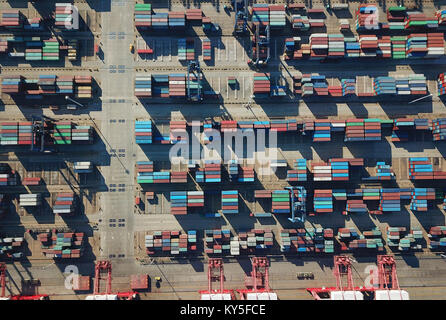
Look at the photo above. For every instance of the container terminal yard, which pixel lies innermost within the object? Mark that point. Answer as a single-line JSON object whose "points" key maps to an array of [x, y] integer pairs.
{"points": [[96, 97]]}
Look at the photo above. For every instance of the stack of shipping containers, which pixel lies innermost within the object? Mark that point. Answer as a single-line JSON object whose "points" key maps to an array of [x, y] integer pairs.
{"points": [[177, 85], [31, 181], [280, 201], [245, 174], [11, 247], [171, 242], [83, 167], [160, 21], [10, 19], [260, 14], [277, 16], [212, 171], [262, 85], [65, 245], [143, 14], [206, 49], [143, 86], [419, 198], [64, 204], [437, 238], [83, 86], [390, 200], [439, 129], [317, 240], [323, 201], [300, 171], [30, 200], [229, 201], [65, 16], [144, 171], [177, 20], [143, 132], [194, 15], [160, 87], [195, 199], [217, 241], [178, 202]]}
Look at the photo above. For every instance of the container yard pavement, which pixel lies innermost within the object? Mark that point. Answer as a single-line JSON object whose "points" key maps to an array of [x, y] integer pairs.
{"points": [[118, 241], [423, 274]]}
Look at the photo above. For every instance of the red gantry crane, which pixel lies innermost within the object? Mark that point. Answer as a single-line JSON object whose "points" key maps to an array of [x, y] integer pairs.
{"points": [[2, 279], [343, 291], [216, 274], [257, 284], [15, 297], [389, 288], [104, 266]]}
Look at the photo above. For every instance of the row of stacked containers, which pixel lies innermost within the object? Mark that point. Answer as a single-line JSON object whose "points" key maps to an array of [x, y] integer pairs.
{"points": [[299, 173], [221, 241], [177, 131], [310, 240], [66, 16], [280, 201], [65, 245], [229, 201], [143, 86], [177, 85], [37, 50], [349, 240], [160, 20], [63, 132], [262, 85], [439, 129], [146, 175], [389, 199], [420, 196], [323, 45], [10, 18], [181, 200], [399, 18], [16, 133], [143, 132], [260, 14], [171, 242], [245, 174], [143, 14], [337, 169], [186, 49], [420, 168], [144, 171], [79, 86], [403, 239], [14, 20], [206, 50], [411, 85], [164, 86], [8, 177], [174, 86], [175, 20], [317, 240], [210, 173], [12, 247], [319, 130], [64, 204]]}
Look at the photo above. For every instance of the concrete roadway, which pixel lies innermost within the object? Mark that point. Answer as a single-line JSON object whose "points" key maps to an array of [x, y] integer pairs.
{"points": [[117, 72]]}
